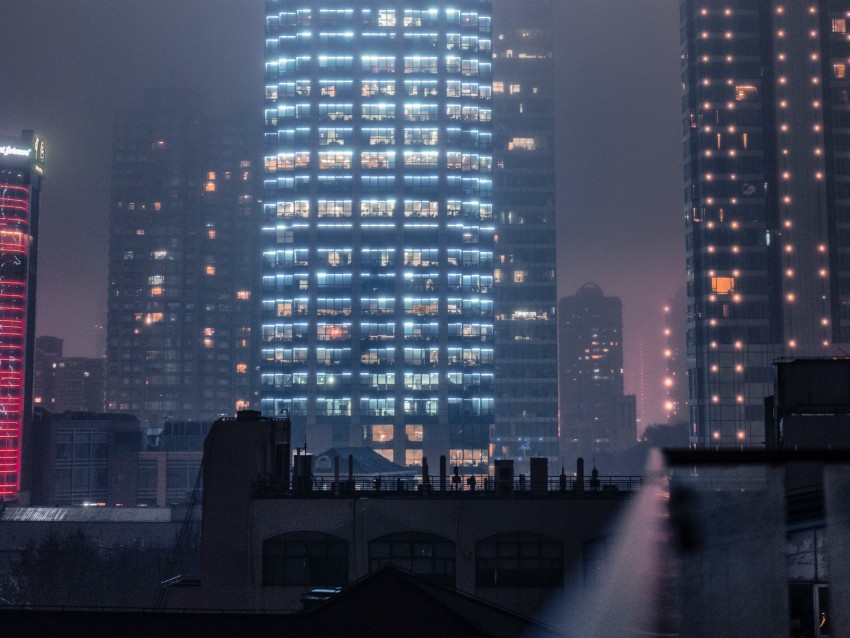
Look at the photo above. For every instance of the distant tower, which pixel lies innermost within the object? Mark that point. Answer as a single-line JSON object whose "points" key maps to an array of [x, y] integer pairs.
{"points": [[595, 415], [766, 110], [21, 172], [183, 263]]}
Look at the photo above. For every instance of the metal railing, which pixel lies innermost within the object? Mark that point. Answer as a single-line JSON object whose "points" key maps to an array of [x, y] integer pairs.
{"points": [[470, 485]]}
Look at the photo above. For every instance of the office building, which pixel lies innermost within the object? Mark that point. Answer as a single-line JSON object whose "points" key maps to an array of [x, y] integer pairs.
{"points": [[524, 208], [21, 172], [378, 230], [183, 263], [596, 417], [767, 200]]}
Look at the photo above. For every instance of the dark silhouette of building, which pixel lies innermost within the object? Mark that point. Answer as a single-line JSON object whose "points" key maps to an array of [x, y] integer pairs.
{"points": [[266, 543], [595, 415], [524, 208], [21, 173], [63, 384], [82, 458], [377, 319], [764, 111], [183, 264]]}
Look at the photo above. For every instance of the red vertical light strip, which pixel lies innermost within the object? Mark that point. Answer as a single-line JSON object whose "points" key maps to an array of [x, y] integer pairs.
{"points": [[14, 253]]}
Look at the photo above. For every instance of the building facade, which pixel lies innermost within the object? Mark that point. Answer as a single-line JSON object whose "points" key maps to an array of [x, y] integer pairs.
{"points": [[596, 417], [767, 200], [378, 230], [62, 384], [524, 208], [183, 265], [21, 172]]}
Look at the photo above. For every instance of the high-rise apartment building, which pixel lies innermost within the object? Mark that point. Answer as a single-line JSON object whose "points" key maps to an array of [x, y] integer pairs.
{"points": [[524, 208], [183, 263], [766, 112], [378, 230], [21, 172], [596, 417]]}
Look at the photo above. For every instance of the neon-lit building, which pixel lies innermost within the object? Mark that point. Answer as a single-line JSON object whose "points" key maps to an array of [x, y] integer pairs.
{"points": [[378, 230], [21, 172], [766, 121]]}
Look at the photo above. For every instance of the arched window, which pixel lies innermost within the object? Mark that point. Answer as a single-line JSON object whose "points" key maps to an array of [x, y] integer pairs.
{"points": [[305, 558], [427, 555], [519, 559]]}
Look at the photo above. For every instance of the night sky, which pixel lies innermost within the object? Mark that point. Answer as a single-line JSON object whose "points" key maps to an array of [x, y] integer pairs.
{"points": [[66, 67]]}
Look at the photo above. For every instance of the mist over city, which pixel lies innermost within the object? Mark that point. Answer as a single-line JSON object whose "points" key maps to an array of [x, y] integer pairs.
{"points": [[521, 317]]}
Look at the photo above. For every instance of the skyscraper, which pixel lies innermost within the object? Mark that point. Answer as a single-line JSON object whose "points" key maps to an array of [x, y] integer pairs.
{"points": [[21, 172], [183, 265], [524, 207], [596, 417], [767, 200], [377, 308]]}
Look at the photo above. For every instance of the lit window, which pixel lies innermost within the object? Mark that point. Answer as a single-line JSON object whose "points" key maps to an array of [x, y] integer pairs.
{"points": [[514, 88], [157, 206], [156, 291], [209, 187], [413, 432], [382, 433], [520, 276], [745, 93], [722, 285], [209, 332], [413, 457], [243, 295], [211, 176], [210, 270], [522, 144], [839, 25], [241, 368], [498, 87], [839, 71], [211, 233]]}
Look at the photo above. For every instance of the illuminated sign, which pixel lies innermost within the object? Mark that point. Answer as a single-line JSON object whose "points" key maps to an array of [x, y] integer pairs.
{"points": [[14, 150], [38, 146]]}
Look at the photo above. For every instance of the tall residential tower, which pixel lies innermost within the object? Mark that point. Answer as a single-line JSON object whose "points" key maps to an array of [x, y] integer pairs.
{"points": [[767, 200], [183, 265], [377, 318]]}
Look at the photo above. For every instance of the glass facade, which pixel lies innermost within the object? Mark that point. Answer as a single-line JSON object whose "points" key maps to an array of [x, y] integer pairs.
{"points": [[767, 202], [378, 230], [21, 171], [524, 207]]}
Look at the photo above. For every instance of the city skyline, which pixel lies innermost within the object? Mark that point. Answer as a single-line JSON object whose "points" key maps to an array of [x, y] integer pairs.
{"points": [[600, 206]]}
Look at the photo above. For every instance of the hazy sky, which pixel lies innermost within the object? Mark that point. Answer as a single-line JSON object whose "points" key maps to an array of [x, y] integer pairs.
{"points": [[67, 66]]}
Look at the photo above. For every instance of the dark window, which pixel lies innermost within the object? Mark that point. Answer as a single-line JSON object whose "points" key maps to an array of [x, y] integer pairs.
{"points": [[427, 555], [519, 559], [305, 558]]}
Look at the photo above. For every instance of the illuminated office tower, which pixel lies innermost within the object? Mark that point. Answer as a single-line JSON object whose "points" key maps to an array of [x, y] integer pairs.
{"points": [[183, 264], [766, 118], [377, 318], [524, 209], [21, 172]]}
